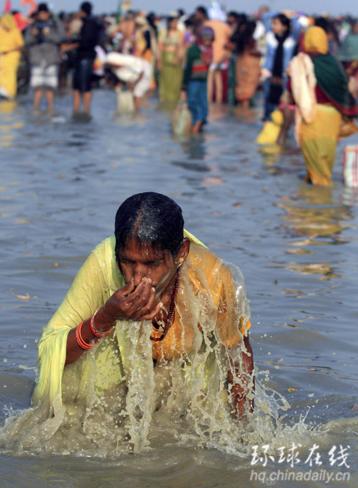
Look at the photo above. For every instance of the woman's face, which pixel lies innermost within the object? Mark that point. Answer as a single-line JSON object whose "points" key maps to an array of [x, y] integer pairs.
{"points": [[138, 261], [278, 28]]}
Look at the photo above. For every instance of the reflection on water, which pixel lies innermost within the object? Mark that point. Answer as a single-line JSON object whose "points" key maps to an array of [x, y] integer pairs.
{"points": [[296, 244], [195, 147], [8, 123], [316, 214], [271, 156]]}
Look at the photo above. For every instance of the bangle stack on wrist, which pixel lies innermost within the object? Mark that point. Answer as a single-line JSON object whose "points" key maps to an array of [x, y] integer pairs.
{"points": [[98, 333], [86, 346], [80, 340]]}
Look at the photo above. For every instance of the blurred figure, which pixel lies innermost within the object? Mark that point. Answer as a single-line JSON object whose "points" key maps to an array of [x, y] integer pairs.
{"points": [[329, 27], [125, 33], [201, 16], [89, 38], [320, 91], [219, 69], [133, 73], [11, 43], [170, 62], [152, 23], [191, 27], [232, 20], [348, 55], [246, 64], [198, 61], [146, 45], [280, 48], [43, 40], [144, 39]]}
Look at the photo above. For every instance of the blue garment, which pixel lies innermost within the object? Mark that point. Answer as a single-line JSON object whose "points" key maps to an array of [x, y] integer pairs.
{"points": [[271, 46], [266, 19], [296, 26], [198, 100]]}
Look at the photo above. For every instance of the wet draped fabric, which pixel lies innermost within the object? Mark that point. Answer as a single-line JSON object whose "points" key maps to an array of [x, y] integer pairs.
{"points": [[318, 142], [106, 401], [319, 125]]}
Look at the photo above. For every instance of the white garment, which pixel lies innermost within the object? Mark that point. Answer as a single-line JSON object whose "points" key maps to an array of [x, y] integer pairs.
{"points": [[303, 82], [271, 40], [100, 60], [129, 68]]}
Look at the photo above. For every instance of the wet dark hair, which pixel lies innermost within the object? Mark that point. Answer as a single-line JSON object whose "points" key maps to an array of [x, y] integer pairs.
{"points": [[151, 219], [86, 7], [284, 21]]}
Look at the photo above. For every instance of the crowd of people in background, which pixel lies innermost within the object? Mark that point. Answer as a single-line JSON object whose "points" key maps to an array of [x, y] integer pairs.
{"points": [[199, 58]]}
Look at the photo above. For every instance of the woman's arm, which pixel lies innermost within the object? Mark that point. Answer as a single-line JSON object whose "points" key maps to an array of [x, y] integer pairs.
{"points": [[241, 380], [233, 325], [128, 303]]}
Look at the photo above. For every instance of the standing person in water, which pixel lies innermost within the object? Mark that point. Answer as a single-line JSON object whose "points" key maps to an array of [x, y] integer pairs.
{"points": [[11, 43], [319, 87], [195, 87], [280, 48], [89, 38], [43, 41], [153, 321], [170, 61]]}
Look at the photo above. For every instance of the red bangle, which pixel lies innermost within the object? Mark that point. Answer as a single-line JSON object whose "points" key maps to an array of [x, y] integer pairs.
{"points": [[80, 341], [97, 333]]}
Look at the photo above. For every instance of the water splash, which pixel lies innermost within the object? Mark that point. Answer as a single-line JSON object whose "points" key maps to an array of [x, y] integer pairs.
{"points": [[117, 399]]}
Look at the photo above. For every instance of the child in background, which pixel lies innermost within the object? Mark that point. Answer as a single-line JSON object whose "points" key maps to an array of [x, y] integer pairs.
{"points": [[198, 61]]}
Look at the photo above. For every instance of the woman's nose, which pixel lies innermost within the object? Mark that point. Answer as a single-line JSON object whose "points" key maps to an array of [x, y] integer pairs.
{"points": [[140, 272]]}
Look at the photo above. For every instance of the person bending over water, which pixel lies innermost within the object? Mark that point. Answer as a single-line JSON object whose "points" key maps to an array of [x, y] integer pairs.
{"points": [[153, 321]]}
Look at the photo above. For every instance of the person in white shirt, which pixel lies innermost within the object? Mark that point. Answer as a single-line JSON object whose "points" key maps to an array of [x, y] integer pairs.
{"points": [[134, 72]]}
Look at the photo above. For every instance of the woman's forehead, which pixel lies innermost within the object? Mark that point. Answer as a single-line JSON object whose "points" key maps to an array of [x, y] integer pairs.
{"points": [[135, 247]]}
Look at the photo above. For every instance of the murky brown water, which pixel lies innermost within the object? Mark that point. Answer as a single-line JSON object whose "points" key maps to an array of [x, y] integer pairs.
{"points": [[60, 185]]}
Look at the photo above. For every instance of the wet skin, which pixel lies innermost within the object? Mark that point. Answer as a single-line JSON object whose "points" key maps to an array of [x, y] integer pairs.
{"points": [[149, 275]]}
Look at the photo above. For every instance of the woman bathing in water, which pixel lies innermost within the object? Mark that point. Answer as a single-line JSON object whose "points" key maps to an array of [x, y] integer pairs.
{"points": [[153, 321]]}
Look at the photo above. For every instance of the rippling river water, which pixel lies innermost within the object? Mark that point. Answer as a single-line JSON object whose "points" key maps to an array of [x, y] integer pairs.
{"points": [[60, 185]]}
